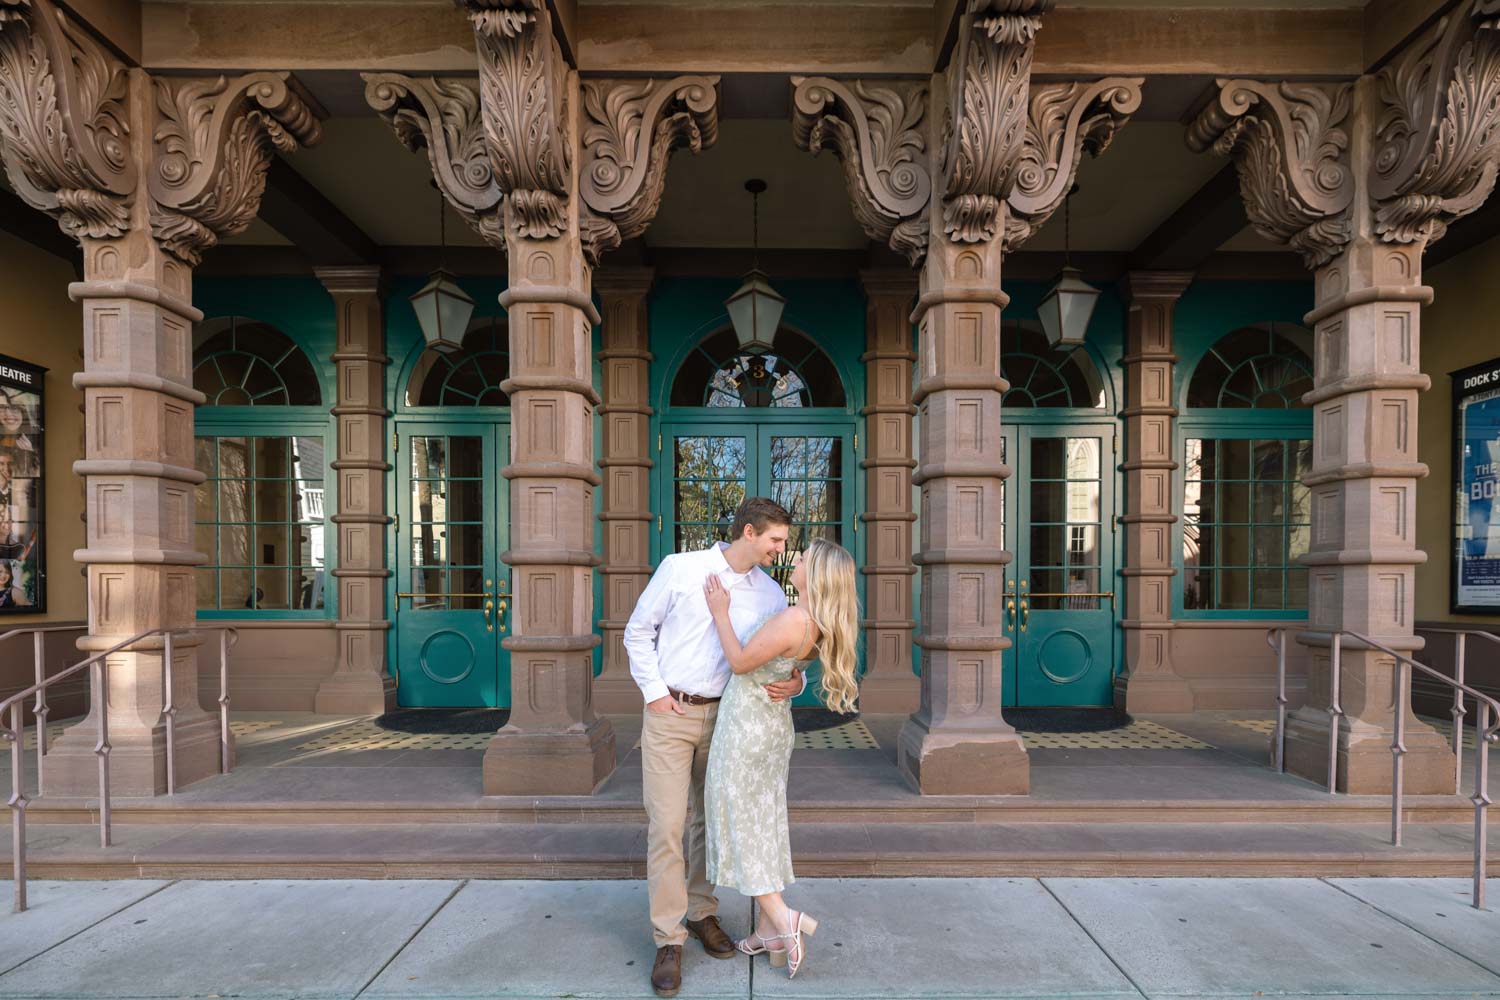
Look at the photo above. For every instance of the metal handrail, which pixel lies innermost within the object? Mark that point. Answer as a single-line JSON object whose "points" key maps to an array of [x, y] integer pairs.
{"points": [[99, 687], [1485, 731]]}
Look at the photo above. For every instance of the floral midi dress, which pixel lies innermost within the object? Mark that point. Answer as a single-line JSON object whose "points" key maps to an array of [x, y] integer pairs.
{"points": [[745, 789]]}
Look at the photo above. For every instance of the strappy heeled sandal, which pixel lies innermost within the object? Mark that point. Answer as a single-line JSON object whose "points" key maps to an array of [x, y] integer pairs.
{"points": [[746, 948], [793, 955]]}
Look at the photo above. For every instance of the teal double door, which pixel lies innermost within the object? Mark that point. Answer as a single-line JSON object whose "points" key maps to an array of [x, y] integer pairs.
{"points": [[1060, 585], [707, 468], [452, 595]]}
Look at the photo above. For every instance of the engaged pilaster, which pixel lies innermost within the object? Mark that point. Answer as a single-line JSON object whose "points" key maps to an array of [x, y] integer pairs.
{"points": [[1149, 683], [889, 684], [146, 173], [626, 469], [1362, 178], [360, 683]]}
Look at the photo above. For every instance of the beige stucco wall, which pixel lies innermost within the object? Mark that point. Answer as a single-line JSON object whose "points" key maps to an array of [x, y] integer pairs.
{"points": [[1460, 328]]}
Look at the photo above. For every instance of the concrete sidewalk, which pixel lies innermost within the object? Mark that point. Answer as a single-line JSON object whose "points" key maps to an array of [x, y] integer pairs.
{"points": [[879, 938]]}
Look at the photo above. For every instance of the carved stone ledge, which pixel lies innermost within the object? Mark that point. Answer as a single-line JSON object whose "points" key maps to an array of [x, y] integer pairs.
{"points": [[64, 128], [1437, 139], [213, 143], [629, 132], [875, 129], [1066, 119], [444, 118], [1292, 158]]}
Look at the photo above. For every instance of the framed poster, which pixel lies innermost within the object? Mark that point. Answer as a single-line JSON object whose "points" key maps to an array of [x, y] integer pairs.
{"points": [[23, 583], [1475, 586]]}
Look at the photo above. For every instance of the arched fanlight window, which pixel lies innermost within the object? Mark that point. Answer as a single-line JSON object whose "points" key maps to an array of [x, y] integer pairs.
{"points": [[795, 373], [470, 376], [1041, 375], [1256, 367], [243, 362]]}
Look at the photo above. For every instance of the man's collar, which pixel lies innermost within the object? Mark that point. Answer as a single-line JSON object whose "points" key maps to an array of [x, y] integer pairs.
{"points": [[720, 564]]}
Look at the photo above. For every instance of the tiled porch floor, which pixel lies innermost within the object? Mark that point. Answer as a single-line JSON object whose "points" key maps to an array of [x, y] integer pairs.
{"points": [[292, 757]]}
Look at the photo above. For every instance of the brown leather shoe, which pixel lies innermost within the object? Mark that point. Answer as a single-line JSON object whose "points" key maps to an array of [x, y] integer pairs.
{"points": [[666, 971], [715, 941]]}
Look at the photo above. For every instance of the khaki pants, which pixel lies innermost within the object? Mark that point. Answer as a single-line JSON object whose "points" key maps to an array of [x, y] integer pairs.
{"points": [[674, 760]]}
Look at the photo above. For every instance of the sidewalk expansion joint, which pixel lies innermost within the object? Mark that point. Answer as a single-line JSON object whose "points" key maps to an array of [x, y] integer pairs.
{"points": [[412, 937], [84, 930], [1097, 943]]}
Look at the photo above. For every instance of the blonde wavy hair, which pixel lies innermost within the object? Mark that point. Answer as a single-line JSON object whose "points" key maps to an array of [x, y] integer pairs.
{"points": [[834, 609]]}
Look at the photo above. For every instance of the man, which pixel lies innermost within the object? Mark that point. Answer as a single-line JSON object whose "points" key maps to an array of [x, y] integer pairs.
{"points": [[676, 660]]}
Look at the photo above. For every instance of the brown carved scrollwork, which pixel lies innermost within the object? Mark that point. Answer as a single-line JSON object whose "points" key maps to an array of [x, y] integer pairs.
{"points": [[523, 87], [63, 126], [1291, 156], [1437, 138], [631, 128], [987, 111], [1066, 119], [213, 142], [443, 117], [874, 127]]}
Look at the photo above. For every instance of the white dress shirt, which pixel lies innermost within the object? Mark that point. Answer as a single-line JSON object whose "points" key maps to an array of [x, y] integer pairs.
{"points": [[671, 638]]}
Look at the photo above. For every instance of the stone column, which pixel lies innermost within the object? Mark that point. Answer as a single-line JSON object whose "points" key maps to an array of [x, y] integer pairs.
{"points": [[128, 166], [360, 683], [1149, 682], [1361, 179], [1010, 156], [555, 172], [626, 468], [889, 684]]}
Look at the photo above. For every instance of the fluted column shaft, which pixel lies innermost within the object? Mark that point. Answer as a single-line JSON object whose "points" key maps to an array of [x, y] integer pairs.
{"points": [[360, 683], [625, 467], [1149, 682], [889, 684]]}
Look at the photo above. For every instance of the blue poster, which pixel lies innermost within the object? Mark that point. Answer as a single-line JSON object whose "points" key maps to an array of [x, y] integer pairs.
{"points": [[1477, 497]]}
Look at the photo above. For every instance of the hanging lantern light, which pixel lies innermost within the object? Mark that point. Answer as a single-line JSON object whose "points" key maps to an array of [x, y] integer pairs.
{"points": [[755, 307], [1067, 307], [443, 309]]}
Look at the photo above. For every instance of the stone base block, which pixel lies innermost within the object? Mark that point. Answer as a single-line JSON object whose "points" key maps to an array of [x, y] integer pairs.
{"points": [[1364, 755], [890, 695], [570, 763], [958, 762], [137, 759], [1149, 693], [364, 693], [616, 696]]}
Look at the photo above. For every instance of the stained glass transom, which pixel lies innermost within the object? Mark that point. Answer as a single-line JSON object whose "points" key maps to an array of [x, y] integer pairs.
{"points": [[470, 376], [1252, 368], [1042, 375], [242, 362]]}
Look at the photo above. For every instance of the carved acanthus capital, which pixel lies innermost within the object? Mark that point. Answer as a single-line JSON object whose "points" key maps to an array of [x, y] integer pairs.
{"points": [[1066, 119], [443, 117], [214, 140], [875, 129], [988, 80], [1437, 137], [64, 130], [523, 96], [629, 132], [1292, 158]]}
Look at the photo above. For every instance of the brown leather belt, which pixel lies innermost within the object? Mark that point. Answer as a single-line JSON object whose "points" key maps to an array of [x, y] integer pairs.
{"points": [[692, 699]]}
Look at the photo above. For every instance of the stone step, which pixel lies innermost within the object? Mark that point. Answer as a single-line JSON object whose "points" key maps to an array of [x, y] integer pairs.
{"points": [[617, 851], [910, 809]]}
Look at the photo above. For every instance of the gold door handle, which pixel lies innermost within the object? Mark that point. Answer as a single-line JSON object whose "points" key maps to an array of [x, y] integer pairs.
{"points": [[504, 599], [489, 606], [1010, 611], [1025, 612]]}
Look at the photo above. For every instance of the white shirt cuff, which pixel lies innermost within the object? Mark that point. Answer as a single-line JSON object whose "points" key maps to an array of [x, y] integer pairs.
{"points": [[654, 690], [804, 685]]}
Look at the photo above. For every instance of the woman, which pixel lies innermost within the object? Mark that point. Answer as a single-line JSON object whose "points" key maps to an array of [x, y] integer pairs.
{"points": [[745, 793], [11, 596]]}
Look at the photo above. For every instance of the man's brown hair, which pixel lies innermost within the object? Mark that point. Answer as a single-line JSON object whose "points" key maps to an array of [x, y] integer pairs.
{"points": [[759, 513]]}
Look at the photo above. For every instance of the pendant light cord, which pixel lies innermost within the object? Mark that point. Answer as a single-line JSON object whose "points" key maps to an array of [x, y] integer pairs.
{"points": [[1067, 227], [755, 230], [442, 234]]}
